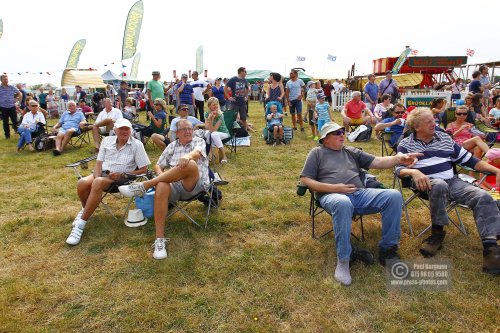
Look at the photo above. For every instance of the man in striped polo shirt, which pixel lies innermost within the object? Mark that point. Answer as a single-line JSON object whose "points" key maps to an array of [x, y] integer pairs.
{"points": [[434, 173]]}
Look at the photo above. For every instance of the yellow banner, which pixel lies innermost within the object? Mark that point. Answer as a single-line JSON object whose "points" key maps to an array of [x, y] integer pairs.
{"points": [[132, 30], [74, 55], [135, 66], [199, 60]]}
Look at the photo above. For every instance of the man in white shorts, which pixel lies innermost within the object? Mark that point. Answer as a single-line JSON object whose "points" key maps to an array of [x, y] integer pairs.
{"points": [[105, 122], [182, 171]]}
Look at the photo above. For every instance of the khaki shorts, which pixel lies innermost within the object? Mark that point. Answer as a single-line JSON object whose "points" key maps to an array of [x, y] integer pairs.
{"points": [[179, 192], [357, 121]]}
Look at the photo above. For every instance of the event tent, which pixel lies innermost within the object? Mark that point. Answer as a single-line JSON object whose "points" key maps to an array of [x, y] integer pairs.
{"points": [[262, 74], [83, 77], [111, 78]]}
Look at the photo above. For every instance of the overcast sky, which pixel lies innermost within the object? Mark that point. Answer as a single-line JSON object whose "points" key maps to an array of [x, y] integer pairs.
{"points": [[38, 35]]}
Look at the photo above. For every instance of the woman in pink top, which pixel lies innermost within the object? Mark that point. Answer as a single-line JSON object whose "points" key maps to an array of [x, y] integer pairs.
{"points": [[460, 131]]}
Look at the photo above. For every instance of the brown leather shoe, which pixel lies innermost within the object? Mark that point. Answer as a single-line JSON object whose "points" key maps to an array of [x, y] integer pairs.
{"points": [[491, 260], [432, 244]]}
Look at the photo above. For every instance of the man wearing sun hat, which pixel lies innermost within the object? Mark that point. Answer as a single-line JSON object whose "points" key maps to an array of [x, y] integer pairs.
{"points": [[118, 155], [333, 170]]}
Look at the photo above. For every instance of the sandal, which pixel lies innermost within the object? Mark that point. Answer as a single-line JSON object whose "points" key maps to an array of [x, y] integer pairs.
{"points": [[223, 161]]}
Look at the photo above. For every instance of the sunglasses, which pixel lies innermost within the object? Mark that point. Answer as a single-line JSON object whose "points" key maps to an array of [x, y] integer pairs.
{"points": [[399, 112], [461, 114], [33, 105], [184, 109], [338, 132]]}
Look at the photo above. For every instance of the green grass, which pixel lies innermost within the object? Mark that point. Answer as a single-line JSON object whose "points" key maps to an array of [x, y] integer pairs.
{"points": [[255, 269]]}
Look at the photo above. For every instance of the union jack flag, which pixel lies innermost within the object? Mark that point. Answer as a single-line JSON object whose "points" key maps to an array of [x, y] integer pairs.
{"points": [[414, 52], [470, 52]]}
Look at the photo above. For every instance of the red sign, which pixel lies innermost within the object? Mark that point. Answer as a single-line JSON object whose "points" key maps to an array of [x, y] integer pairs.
{"points": [[436, 61]]}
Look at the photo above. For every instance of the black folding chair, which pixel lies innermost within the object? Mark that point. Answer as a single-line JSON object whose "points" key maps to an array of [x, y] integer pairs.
{"points": [[113, 189], [316, 209], [211, 198]]}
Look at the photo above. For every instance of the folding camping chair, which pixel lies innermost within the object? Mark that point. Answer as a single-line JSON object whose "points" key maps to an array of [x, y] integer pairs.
{"points": [[230, 119], [407, 183], [80, 138], [113, 189], [316, 209], [211, 198]]}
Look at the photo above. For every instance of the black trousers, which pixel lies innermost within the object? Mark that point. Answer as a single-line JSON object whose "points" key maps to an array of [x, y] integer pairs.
{"points": [[200, 106], [6, 113]]}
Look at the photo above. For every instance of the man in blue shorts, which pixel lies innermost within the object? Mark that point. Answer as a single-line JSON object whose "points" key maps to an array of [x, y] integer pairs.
{"points": [[70, 123], [293, 95]]}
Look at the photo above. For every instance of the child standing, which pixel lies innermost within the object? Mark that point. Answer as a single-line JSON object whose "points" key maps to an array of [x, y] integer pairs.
{"points": [[323, 112]]}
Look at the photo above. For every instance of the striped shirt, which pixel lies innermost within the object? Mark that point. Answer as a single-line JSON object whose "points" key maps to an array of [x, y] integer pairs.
{"points": [[129, 158], [439, 155], [175, 150], [7, 95]]}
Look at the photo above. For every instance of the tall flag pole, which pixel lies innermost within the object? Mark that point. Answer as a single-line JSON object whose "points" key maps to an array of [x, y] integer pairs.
{"points": [[199, 60], [401, 60], [132, 30], [135, 66], [1, 28]]}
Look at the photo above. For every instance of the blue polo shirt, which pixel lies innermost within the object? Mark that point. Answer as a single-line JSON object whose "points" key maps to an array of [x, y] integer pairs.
{"points": [[372, 90], [397, 130], [69, 120], [185, 95], [7, 96]]}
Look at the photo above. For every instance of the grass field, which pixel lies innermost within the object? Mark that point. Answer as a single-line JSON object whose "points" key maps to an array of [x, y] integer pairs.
{"points": [[255, 269]]}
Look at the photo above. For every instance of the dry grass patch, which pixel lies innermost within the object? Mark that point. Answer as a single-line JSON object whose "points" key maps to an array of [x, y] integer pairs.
{"points": [[255, 269]]}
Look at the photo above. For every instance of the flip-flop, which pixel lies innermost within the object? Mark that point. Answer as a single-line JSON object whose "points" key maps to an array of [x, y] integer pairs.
{"points": [[224, 161]]}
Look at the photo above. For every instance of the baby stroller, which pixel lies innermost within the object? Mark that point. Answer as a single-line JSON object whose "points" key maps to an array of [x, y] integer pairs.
{"points": [[267, 131]]}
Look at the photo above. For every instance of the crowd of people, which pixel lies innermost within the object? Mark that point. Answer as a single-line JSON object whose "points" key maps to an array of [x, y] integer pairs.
{"points": [[426, 152]]}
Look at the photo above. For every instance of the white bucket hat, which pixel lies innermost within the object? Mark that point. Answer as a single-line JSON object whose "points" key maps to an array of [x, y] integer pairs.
{"points": [[135, 218]]}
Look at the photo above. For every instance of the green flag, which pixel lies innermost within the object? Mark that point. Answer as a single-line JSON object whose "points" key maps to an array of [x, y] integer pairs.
{"points": [[135, 66], [199, 60], [1, 28], [401, 60], [74, 55], [132, 30]]}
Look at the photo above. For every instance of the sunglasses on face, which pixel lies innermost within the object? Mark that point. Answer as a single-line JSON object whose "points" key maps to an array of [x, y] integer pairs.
{"points": [[33, 105], [461, 114], [184, 109], [338, 132], [399, 112]]}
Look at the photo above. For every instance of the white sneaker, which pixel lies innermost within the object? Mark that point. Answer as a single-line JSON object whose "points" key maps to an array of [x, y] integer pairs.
{"points": [[160, 250], [76, 233], [132, 190], [78, 216]]}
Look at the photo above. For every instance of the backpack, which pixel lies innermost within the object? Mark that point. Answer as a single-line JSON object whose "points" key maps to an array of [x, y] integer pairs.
{"points": [[364, 135], [216, 196], [43, 142]]}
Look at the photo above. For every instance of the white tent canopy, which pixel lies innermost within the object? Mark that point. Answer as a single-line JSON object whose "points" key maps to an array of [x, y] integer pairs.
{"points": [[83, 77]]}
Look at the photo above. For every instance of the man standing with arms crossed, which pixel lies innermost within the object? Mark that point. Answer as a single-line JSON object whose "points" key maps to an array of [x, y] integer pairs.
{"points": [[7, 106]]}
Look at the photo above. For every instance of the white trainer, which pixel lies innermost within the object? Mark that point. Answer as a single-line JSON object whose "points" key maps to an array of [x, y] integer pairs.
{"points": [[76, 233], [160, 251], [132, 190], [78, 216]]}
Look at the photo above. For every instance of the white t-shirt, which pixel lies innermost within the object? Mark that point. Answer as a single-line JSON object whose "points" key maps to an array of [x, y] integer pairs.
{"points": [[335, 86], [114, 114], [294, 88], [198, 87]]}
